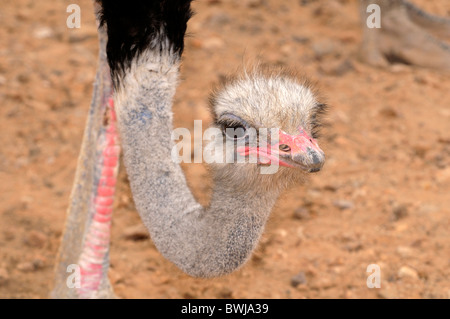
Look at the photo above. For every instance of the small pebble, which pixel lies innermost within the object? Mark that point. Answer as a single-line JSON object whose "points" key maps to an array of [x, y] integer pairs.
{"points": [[305, 2], [211, 43], [387, 293], [421, 149], [354, 247], [406, 271], [225, 293], [399, 212], [343, 204], [29, 266], [302, 213], [26, 267], [330, 188], [322, 283], [39, 262], [253, 3], [300, 39], [388, 112], [43, 33], [135, 233], [405, 251], [299, 279]]}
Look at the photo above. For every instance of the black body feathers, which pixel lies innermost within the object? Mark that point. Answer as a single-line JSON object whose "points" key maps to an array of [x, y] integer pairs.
{"points": [[136, 25]]}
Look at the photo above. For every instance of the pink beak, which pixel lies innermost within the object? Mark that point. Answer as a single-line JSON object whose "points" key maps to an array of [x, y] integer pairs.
{"points": [[295, 151]]}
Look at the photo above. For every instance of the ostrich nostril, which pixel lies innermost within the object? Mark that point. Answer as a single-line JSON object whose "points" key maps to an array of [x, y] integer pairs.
{"points": [[285, 148]]}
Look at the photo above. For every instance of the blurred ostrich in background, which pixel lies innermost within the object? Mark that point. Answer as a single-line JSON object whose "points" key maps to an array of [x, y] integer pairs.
{"points": [[407, 35], [141, 43]]}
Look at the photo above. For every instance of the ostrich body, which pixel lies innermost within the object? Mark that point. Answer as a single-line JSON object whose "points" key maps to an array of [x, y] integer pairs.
{"points": [[140, 48]]}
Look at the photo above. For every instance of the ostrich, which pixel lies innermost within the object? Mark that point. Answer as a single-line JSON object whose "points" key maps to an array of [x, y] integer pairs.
{"points": [[407, 34], [140, 48], [140, 58]]}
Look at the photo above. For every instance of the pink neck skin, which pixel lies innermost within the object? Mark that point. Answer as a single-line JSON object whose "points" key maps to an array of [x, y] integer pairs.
{"points": [[96, 243]]}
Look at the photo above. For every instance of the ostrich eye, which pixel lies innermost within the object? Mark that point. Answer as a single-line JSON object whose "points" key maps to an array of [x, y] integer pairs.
{"points": [[233, 127], [235, 132]]}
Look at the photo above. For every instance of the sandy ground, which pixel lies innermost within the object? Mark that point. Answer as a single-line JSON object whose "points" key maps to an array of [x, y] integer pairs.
{"points": [[382, 197]]}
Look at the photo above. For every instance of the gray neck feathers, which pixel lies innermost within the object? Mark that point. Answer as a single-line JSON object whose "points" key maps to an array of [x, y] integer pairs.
{"points": [[203, 242]]}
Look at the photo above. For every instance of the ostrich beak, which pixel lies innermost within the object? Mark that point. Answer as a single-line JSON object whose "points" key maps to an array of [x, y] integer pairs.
{"points": [[294, 151], [299, 151]]}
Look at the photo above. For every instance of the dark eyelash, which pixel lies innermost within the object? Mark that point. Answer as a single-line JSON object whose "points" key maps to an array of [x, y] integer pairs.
{"points": [[316, 124], [316, 130], [229, 123], [230, 120]]}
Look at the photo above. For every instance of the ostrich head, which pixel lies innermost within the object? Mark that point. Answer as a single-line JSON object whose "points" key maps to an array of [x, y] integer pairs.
{"points": [[288, 113]]}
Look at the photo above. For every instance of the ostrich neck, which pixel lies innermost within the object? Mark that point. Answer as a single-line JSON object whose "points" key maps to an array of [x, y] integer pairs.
{"points": [[203, 242]]}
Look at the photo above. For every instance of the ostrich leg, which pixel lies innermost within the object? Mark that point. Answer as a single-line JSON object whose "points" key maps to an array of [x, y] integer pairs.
{"points": [[437, 26], [85, 242], [407, 34]]}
